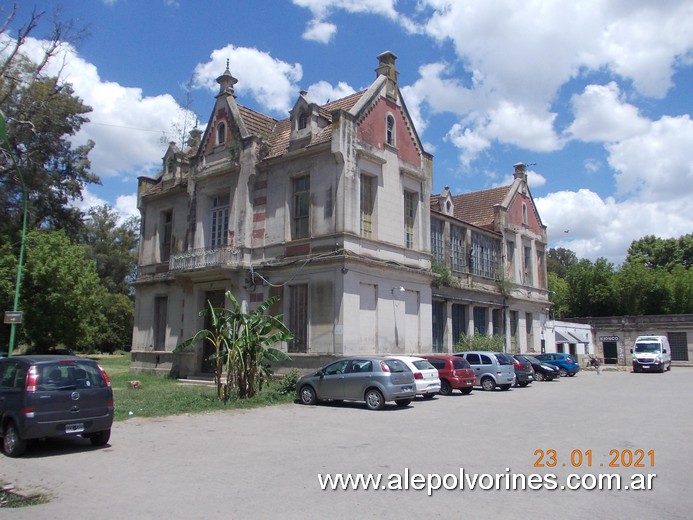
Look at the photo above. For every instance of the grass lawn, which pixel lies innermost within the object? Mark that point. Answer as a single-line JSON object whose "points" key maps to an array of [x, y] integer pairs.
{"points": [[164, 396]]}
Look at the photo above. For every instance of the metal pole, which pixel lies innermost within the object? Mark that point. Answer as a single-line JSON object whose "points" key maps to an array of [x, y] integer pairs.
{"points": [[3, 135]]}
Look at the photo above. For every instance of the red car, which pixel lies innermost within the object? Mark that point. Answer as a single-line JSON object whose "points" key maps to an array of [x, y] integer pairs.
{"points": [[453, 372]]}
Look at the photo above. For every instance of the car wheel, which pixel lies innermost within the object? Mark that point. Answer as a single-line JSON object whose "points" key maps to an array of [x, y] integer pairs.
{"points": [[307, 395], [573, 374], [563, 372], [488, 384], [100, 438], [402, 402], [523, 383], [466, 391], [429, 396], [538, 376], [374, 399], [445, 387], [12, 443]]}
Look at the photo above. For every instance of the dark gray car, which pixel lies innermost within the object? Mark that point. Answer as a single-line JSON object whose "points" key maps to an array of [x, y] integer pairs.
{"points": [[374, 380], [45, 396]]}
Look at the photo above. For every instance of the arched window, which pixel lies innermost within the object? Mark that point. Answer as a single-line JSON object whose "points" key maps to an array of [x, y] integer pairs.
{"points": [[524, 213], [221, 133], [302, 121], [390, 130]]}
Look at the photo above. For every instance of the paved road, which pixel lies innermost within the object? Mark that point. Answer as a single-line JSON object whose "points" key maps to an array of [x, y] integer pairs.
{"points": [[264, 463]]}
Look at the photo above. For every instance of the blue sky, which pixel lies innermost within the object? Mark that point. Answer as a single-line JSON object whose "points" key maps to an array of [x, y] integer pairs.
{"points": [[594, 95]]}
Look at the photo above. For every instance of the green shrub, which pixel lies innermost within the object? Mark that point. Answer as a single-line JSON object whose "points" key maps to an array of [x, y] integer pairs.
{"points": [[287, 385]]}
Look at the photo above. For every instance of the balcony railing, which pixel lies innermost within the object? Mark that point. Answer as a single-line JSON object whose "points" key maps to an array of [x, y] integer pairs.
{"points": [[202, 258]]}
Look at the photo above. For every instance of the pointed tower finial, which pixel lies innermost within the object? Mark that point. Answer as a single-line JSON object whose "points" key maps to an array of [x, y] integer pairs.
{"points": [[226, 82]]}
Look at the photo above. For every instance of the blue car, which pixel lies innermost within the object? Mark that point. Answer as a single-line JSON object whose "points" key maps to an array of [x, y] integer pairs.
{"points": [[567, 364]]}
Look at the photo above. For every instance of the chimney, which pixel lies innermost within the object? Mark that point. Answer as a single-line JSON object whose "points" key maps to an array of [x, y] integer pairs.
{"points": [[386, 67], [520, 171]]}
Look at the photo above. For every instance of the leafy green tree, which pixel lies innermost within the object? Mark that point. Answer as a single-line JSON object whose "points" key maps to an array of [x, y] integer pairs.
{"points": [[641, 291], [667, 253], [242, 346], [559, 259], [43, 113], [119, 318], [559, 295], [591, 290], [8, 277], [680, 287], [61, 294], [112, 246]]}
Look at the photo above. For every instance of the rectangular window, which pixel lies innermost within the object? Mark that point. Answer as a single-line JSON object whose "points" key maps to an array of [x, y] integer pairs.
{"points": [[438, 325], [540, 270], [301, 211], [498, 322], [219, 221], [480, 323], [437, 240], [485, 252], [527, 266], [410, 200], [510, 248], [298, 317], [367, 203], [459, 322], [457, 249], [160, 322], [166, 234]]}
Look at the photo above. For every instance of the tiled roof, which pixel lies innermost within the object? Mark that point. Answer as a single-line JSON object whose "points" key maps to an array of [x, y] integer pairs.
{"points": [[257, 123], [281, 132], [476, 207]]}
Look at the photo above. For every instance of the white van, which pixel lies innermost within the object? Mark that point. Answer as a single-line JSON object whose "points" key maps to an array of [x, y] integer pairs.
{"points": [[651, 354]]}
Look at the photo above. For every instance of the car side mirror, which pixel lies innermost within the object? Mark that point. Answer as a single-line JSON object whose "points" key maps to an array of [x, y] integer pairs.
{"points": [[664, 351], [631, 351], [321, 373]]}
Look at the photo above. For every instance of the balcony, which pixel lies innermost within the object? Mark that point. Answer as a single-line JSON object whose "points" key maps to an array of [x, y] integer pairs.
{"points": [[203, 258]]}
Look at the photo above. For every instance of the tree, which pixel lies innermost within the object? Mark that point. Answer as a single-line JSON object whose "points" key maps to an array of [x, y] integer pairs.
{"points": [[680, 286], [559, 291], [591, 291], [242, 346], [61, 294], [559, 259], [667, 253], [641, 291], [42, 113], [112, 246]]}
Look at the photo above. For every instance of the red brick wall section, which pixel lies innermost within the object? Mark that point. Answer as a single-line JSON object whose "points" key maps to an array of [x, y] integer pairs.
{"points": [[372, 130]]}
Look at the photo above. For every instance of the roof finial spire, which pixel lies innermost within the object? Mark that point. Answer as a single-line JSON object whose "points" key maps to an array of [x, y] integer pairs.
{"points": [[226, 82]]}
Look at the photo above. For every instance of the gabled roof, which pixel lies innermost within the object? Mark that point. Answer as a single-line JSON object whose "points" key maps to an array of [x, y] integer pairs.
{"points": [[279, 137], [476, 208]]}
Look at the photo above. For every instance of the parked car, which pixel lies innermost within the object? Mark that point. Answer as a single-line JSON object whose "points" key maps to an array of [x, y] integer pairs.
{"points": [[491, 369], [524, 373], [425, 375], [53, 396], [567, 364], [454, 373], [372, 379], [542, 371]]}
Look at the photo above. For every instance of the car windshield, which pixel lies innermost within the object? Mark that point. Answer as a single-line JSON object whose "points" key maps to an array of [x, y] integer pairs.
{"points": [[647, 347]]}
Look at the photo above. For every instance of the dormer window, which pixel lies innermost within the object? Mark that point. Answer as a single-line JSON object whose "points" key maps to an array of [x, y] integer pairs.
{"points": [[390, 130], [448, 207], [221, 133], [302, 121]]}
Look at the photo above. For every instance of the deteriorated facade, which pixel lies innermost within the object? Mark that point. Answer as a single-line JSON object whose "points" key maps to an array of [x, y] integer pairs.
{"points": [[327, 209]]}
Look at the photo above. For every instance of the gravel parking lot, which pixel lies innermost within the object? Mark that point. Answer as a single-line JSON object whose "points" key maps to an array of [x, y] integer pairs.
{"points": [[264, 463]]}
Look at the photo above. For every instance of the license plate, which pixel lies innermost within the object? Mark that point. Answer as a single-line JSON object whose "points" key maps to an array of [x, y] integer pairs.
{"points": [[406, 389], [74, 428]]}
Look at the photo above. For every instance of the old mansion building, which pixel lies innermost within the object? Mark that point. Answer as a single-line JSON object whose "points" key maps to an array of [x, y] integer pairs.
{"points": [[331, 210]]}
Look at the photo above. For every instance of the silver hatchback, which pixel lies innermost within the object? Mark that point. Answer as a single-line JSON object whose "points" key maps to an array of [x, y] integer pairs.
{"points": [[491, 369], [372, 379]]}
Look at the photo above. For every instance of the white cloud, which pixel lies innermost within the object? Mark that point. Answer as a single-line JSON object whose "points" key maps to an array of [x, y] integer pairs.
{"points": [[322, 92], [319, 31], [602, 116], [126, 206], [606, 228], [272, 82], [658, 164], [120, 116]]}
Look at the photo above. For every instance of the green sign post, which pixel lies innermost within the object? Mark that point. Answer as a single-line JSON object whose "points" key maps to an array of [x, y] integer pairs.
{"points": [[15, 311]]}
